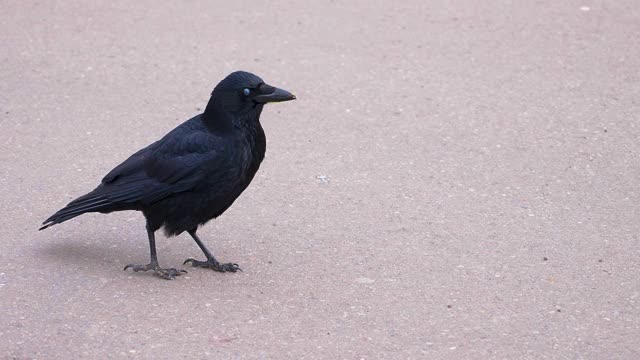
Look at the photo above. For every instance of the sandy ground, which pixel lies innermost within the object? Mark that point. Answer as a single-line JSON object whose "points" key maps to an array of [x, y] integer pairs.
{"points": [[455, 180]]}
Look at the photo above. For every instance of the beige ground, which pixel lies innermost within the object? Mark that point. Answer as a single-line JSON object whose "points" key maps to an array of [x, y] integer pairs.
{"points": [[456, 180]]}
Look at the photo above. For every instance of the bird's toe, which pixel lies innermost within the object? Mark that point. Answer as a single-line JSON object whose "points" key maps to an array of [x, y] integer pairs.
{"points": [[136, 267], [230, 267], [213, 264], [169, 273]]}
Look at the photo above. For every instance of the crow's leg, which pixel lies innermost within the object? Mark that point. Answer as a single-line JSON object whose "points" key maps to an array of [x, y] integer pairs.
{"points": [[168, 274], [211, 262]]}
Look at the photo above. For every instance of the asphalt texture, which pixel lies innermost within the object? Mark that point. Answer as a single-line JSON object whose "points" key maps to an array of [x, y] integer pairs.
{"points": [[456, 180]]}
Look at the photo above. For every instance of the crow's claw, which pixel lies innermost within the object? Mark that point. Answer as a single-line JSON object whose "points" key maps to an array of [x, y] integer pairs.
{"points": [[213, 264], [168, 274]]}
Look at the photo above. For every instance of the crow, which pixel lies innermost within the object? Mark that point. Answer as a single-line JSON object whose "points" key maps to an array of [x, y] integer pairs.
{"points": [[193, 174]]}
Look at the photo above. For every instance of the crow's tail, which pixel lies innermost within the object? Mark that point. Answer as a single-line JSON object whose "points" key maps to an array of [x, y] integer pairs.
{"points": [[92, 202]]}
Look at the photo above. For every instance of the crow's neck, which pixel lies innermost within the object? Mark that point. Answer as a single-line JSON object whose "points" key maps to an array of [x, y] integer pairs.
{"points": [[217, 119], [246, 125]]}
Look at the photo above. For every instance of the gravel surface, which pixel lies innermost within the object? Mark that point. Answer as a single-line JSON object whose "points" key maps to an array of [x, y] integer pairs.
{"points": [[456, 180]]}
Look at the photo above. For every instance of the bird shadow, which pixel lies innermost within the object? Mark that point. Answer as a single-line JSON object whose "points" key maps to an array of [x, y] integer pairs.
{"points": [[84, 262], [87, 255]]}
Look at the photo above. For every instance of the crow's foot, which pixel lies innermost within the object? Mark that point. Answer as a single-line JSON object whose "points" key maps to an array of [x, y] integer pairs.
{"points": [[213, 264], [168, 274]]}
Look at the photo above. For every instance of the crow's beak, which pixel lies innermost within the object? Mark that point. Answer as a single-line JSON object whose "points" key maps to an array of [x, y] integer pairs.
{"points": [[273, 94]]}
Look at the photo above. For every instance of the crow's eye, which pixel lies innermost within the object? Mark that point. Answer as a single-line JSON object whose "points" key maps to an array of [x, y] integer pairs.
{"points": [[246, 92]]}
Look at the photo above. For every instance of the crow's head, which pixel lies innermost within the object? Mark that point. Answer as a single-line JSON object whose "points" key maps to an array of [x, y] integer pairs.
{"points": [[243, 92]]}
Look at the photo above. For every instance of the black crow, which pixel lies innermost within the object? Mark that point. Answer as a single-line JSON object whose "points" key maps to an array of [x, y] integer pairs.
{"points": [[193, 174]]}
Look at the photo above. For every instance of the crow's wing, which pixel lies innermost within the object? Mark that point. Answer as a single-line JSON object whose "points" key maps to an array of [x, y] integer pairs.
{"points": [[165, 168], [169, 166]]}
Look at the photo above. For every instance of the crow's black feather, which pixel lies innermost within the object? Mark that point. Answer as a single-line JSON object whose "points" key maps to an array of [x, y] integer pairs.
{"points": [[196, 171]]}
